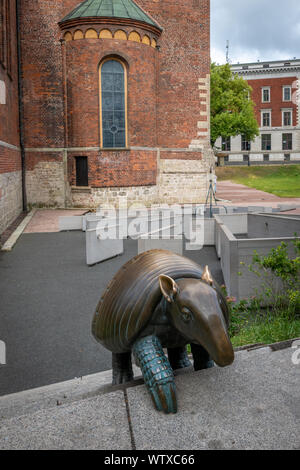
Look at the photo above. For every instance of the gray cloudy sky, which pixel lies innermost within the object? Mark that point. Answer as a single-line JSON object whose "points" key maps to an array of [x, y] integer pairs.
{"points": [[256, 29]]}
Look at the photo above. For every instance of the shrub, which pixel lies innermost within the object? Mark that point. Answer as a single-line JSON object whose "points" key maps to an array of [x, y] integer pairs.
{"points": [[251, 322], [278, 266]]}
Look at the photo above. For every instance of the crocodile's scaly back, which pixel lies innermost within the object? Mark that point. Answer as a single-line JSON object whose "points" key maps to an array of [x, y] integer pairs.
{"points": [[131, 297]]}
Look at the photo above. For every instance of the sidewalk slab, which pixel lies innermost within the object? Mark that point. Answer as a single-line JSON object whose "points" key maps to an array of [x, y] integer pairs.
{"points": [[47, 220], [42, 398], [94, 424], [254, 404]]}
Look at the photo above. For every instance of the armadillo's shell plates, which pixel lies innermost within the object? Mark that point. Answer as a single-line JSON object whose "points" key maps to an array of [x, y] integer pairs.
{"points": [[127, 305]]}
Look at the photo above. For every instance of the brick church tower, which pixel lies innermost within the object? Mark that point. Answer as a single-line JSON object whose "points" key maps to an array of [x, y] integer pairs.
{"points": [[114, 100]]}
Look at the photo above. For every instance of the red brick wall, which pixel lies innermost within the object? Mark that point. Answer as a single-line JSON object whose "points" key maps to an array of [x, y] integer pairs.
{"points": [[163, 93], [184, 57], [44, 106], [83, 59], [109, 168], [277, 102], [42, 75], [42, 71], [117, 169], [10, 159], [10, 155], [33, 158]]}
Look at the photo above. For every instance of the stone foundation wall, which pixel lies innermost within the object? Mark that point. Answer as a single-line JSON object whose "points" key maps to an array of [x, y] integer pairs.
{"points": [[94, 197], [182, 181], [10, 198], [45, 184], [179, 182]]}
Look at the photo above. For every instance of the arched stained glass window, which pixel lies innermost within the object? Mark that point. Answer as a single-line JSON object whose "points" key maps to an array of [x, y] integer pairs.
{"points": [[113, 104]]}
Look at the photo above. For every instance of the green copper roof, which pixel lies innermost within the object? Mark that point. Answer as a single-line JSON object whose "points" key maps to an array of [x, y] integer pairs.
{"points": [[110, 8]]}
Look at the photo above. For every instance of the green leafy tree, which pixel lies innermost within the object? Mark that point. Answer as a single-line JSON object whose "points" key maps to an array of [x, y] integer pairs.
{"points": [[232, 110]]}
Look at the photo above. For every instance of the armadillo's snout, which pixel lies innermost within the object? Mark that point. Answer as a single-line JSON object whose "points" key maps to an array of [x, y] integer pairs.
{"points": [[225, 360], [218, 343], [224, 355]]}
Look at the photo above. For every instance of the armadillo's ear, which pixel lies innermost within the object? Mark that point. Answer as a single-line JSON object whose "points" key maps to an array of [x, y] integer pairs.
{"points": [[168, 287], [207, 277]]}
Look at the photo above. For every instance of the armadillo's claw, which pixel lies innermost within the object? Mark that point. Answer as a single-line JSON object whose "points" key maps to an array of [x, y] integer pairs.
{"points": [[164, 397], [157, 373]]}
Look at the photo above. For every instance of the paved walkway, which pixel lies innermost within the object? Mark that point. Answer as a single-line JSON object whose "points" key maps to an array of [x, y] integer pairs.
{"points": [[48, 296], [253, 405], [46, 220], [240, 195]]}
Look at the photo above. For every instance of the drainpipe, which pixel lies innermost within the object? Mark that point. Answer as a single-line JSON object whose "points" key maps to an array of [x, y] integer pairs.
{"points": [[20, 104], [66, 135], [65, 91]]}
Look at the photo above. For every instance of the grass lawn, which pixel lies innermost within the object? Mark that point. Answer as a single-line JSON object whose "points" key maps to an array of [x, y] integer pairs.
{"points": [[283, 181], [268, 331]]}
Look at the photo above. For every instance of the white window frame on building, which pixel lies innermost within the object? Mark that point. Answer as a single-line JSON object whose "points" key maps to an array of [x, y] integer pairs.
{"points": [[284, 112], [263, 90], [266, 148], [226, 144], [288, 143], [284, 88], [245, 144], [269, 112]]}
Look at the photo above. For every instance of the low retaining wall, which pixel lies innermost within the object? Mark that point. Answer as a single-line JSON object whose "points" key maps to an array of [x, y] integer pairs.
{"points": [[266, 226], [236, 223], [98, 249], [237, 254]]}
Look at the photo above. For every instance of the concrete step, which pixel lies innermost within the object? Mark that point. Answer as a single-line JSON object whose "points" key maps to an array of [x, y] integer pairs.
{"points": [[254, 404], [30, 401], [51, 396]]}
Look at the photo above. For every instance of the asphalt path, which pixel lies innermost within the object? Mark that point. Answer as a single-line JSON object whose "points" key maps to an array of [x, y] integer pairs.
{"points": [[48, 297]]}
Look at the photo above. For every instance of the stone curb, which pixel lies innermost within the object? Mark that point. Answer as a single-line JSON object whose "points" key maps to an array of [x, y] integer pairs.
{"points": [[57, 394], [252, 405], [12, 240], [62, 393], [274, 347]]}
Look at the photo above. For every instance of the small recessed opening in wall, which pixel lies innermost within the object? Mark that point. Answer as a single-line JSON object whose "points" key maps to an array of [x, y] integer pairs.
{"points": [[105, 34], [68, 36], [78, 34], [91, 34], [82, 176], [134, 36]]}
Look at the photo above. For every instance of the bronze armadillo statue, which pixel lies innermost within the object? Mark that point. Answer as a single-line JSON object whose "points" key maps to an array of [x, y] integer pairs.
{"points": [[162, 300]]}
